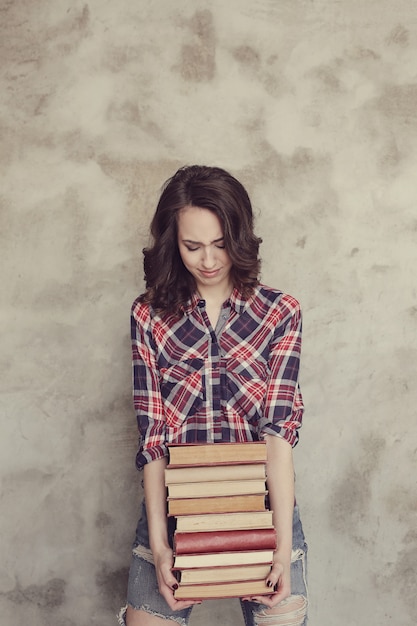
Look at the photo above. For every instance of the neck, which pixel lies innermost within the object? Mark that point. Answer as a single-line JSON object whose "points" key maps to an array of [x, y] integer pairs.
{"points": [[214, 301], [216, 295]]}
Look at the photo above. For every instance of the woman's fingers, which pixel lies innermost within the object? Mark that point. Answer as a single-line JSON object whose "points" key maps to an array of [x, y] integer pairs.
{"points": [[278, 580], [274, 576], [168, 584]]}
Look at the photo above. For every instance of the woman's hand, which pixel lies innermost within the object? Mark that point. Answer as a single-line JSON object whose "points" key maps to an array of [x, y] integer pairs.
{"points": [[279, 579], [167, 582], [280, 472], [155, 496]]}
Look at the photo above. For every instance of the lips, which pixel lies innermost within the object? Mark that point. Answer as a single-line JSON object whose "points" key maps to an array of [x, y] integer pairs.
{"points": [[209, 274]]}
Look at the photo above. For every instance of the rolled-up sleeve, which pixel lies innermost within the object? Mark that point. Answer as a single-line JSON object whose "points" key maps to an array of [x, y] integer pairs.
{"points": [[146, 388], [283, 404]]}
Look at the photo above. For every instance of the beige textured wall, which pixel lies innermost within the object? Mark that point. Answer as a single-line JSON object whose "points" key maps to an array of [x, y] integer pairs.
{"points": [[313, 105]]}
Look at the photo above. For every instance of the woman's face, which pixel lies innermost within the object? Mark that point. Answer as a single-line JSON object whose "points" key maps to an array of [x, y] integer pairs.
{"points": [[201, 246]]}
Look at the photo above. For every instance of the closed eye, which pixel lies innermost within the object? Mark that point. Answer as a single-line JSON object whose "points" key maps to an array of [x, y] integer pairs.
{"points": [[193, 246]]}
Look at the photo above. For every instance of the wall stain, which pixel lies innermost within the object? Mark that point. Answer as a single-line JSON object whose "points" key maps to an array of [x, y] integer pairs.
{"points": [[413, 311], [103, 520], [269, 76], [302, 158], [127, 111], [247, 56], [42, 104], [112, 586], [50, 595], [361, 53], [390, 157], [272, 59], [82, 20], [19, 45], [350, 500], [380, 269], [273, 80], [68, 34], [403, 571], [400, 502], [35, 477], [399, 36], [406, 572], [399, 101], [302, 166], [6, 5], [116, 58], [197, 63], [78, 147], [327, 77]]}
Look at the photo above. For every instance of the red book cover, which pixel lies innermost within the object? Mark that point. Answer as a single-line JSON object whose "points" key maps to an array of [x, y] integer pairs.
{"points": [[225, 541]]}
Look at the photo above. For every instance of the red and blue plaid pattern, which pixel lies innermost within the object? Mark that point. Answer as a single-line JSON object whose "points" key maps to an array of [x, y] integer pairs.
{"points": [[190, 385]]}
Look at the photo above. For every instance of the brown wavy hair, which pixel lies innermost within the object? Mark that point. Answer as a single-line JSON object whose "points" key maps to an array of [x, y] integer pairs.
{"points": [[169, 285]]}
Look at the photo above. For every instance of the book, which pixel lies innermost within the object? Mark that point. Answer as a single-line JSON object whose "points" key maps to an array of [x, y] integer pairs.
{"points": [[216, 504], [225, 540], [224, 521], [217, 453], [222, 590], [233, 573], [175, 475], [217, 559], [216, 488]]}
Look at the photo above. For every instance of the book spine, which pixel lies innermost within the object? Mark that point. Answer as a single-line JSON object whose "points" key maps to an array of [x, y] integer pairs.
{"points": [[218, 559], [227, 540], [216, 453], [222, 590], [223, 574], [216, 488], [224, 521], [237, 471], [221, 504]]}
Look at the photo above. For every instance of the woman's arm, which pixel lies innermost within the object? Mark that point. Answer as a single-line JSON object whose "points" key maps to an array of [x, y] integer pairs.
{"points": [[280, 481], [284, 407], [146, 388], [279, 425], [280, 472], [155, 498]]}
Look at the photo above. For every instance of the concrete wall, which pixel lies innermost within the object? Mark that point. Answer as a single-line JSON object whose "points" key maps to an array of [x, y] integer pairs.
{"points": [[313, 105]]}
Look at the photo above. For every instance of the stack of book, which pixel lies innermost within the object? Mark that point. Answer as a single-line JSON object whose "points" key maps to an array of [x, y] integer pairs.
{"points": [[224, 539]]}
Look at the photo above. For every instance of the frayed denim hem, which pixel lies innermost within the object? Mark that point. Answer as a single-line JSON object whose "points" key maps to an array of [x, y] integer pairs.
{"points": [[121, 616]]}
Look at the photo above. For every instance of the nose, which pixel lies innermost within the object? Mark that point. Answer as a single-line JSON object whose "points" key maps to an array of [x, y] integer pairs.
{"points": [[208, 259]]}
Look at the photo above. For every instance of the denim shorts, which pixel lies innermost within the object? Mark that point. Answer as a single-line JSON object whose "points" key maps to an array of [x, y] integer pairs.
{"points": [[143, 593]]}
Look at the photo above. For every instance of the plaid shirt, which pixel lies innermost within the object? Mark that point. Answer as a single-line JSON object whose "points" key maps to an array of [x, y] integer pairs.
{"points": [[191, 384]]}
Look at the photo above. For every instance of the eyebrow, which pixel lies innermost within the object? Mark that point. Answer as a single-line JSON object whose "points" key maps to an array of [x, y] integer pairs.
{"points": [[199, 243]]}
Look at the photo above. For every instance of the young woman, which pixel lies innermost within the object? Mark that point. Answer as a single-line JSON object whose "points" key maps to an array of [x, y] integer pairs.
{"points": [[215, 359]]}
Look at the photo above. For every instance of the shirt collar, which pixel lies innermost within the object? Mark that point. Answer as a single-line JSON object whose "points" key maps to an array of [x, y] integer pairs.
{"points": [[236, 301]]}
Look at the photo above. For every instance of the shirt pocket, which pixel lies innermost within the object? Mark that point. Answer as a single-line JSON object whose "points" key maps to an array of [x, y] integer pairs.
{"points": [[181, 390], [246, 387]]}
